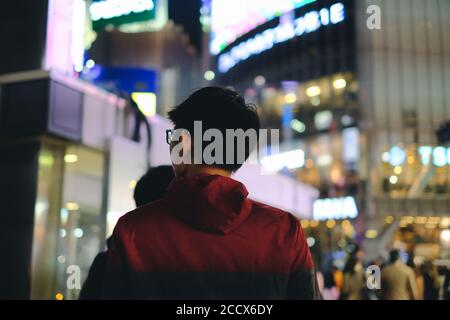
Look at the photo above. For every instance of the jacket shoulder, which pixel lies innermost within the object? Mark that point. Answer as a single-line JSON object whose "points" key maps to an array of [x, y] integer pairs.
{"points": [[287, 225], [146, 212], [273, 213]]}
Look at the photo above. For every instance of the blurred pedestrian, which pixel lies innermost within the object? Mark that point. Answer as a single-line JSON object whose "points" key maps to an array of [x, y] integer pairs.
{"points": [[150, 187], [338, 276], [418, 276], [206, 239], [447, 284], [330, 291], [320, 280], [153, 185], [397, 279], [431, 281], [354, 279]]}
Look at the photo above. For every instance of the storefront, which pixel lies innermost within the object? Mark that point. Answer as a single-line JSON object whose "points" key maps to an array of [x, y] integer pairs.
{"points": [[67, 176], [72, 152], [411, 195], [420, 238]]}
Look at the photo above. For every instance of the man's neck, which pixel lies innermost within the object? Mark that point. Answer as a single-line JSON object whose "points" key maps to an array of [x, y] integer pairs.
{"points": [[194, 170]]}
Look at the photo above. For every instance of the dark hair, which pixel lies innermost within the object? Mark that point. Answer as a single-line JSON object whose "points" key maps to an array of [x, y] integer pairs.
{"points": [[221, 109], [152, 186], [394, 255]]}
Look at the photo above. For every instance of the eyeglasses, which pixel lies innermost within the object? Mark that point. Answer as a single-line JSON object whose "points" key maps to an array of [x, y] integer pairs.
{"points": [[169, 134]]}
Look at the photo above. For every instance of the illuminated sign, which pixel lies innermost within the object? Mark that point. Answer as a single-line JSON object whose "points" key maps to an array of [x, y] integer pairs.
{"points": [[146, 102], [120, 12], [77, 45], [351, 150], [64, 50], [286, 30], [231, 19], [323, 120], [335, 209], [291, 160], [396, 156], [440, 156]]}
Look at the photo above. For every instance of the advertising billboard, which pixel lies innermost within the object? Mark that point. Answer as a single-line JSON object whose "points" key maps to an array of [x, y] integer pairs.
{"points": [[120, 12], [228, 24], [289, 27]]}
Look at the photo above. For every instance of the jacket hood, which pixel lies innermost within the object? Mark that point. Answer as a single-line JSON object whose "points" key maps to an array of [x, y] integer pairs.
{"points": [[210, 203]]}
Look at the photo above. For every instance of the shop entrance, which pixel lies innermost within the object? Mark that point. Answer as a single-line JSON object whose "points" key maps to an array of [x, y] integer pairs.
{"points": [[69, 227]]}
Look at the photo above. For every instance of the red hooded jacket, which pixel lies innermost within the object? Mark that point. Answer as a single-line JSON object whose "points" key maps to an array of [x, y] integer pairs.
{"points": [[207, 240]]}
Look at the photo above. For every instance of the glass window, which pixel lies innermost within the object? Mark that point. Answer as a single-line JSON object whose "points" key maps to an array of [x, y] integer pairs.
{"points": [[69, 228]]}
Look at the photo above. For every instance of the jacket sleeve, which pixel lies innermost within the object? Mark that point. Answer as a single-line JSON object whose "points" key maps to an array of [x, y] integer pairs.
{"points": [[116, 284], [303, 283], [92, 287]]}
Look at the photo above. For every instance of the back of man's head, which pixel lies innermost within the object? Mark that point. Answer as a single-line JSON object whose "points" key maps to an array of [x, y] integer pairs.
{"points": [[394, 255], [152, 186], [221, 109]]}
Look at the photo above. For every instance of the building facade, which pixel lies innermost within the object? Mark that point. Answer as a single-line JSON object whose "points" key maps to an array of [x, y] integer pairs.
{"points": [[362, 103]]}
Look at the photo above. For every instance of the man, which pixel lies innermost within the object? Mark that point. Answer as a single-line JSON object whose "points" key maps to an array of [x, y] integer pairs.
{"points": [[150, 187], [205, 239], [398, 280]]}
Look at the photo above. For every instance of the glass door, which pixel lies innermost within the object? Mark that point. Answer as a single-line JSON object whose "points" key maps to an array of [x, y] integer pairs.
{"points": [[70, 219]]}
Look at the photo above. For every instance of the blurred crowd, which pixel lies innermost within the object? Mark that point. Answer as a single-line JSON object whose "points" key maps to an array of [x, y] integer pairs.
{"points": [[397, 279]]}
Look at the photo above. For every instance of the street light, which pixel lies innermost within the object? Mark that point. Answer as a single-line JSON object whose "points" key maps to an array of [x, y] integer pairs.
{"points": [[209, 75]]}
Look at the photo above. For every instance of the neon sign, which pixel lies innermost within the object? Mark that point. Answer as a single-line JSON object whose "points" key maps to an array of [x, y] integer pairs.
{"points": [[286, 30], [440, 156], [335, 209], [291, 160], [115, 8], [121, 12], [228, 25]]}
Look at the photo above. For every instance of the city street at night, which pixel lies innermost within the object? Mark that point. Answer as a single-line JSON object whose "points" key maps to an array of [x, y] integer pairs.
{"points": [[225, 150]]}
